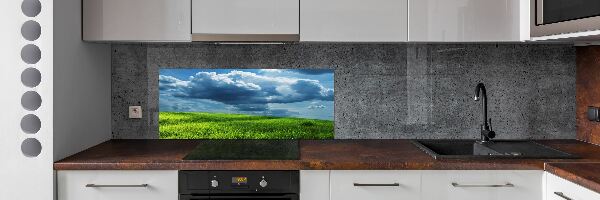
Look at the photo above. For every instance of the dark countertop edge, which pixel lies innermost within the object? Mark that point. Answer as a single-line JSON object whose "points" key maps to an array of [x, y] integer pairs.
{"points": [[299, 165], [319, 163], [161, 166], [573, 177]]}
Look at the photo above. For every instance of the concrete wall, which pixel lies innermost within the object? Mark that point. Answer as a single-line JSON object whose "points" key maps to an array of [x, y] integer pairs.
{"points": [[382, 90]]}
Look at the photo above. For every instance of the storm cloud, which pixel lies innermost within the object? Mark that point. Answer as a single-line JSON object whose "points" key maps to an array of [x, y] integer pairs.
{"points": [[245, 91]]}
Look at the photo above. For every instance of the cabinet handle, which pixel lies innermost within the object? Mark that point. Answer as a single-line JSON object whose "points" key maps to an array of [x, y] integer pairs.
{"points": [[115, 186], [376, 184], [499, 185], [560, 194]]}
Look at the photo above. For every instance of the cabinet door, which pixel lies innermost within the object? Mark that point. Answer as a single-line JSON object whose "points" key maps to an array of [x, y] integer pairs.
{"points": [[374, 184], [353, 20], [468, 20], [136, 20], [482, 185], [247, 17], [561, 189], [117, 185], [314, 185]]}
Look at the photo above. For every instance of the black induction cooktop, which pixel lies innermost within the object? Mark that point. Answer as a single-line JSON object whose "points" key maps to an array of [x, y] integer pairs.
{"points": [[245, 150]]}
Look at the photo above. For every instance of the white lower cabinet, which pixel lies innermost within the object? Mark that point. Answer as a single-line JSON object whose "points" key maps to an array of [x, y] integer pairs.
{"points": [[560, 189], [341, 185], [314, 184], [482, 185], [117, 185], [435, 185], [375, 185]]}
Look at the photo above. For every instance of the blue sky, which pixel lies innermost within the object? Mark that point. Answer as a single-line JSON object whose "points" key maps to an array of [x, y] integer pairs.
{"points": [[305, 93]]}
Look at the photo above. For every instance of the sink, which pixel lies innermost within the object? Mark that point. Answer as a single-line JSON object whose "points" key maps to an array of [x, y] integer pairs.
{"points": [[471, 149]]}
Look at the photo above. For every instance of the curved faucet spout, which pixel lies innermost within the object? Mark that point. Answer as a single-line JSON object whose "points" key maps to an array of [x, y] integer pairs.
{"points": [[480, 94], [481, 88]]}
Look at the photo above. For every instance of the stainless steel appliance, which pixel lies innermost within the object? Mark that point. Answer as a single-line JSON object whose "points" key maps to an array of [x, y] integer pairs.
{"points": [[553, 17], [234, 185]]}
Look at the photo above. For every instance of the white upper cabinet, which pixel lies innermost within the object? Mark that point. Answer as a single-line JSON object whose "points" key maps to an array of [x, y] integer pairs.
{"points": [[307, 20], [245, 20], [468, 20], [353, 20], [136, 20]]}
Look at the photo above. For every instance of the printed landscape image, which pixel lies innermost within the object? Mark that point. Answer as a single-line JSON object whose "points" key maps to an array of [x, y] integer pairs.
{"points": [[246, 104]]}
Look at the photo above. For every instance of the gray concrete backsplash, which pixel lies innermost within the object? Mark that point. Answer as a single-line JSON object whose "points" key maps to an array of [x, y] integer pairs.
{"points": [[389, 91]]}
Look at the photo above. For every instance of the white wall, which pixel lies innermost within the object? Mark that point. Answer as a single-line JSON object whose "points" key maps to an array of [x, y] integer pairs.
{"points": [[75, 82], [21, 177], [82, 108]]}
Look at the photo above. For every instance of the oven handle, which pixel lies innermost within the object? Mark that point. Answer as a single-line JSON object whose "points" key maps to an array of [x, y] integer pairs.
{"points": [[245, 196]]}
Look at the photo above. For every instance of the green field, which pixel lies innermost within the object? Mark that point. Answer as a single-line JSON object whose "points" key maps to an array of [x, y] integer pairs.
{"points": [[199, 125]]}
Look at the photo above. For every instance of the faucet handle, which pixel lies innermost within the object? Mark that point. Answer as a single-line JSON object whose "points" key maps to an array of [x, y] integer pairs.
{"points": [[491, 134]]}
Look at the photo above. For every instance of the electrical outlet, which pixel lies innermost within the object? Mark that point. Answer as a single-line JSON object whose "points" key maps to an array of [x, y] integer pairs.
{"points": [[135, 112]]}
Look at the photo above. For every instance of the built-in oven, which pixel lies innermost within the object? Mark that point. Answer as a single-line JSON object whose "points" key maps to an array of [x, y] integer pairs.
{"points": [[237, 185], [553, 17]]}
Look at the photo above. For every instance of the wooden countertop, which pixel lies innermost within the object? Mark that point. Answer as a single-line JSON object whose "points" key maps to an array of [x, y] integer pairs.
{"points": [[331, 155], [314, 154], [584, 174]]}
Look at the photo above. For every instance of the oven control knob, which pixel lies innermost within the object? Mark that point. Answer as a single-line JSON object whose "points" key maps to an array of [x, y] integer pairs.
{"points": [[263, 183], [214, 183]]}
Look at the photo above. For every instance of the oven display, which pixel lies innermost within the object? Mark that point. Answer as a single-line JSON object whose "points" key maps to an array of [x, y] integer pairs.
{"points": [[239, 181]]}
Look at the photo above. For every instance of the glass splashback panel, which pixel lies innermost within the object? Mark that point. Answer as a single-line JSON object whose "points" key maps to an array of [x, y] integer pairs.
{"points": [[246, 103]]}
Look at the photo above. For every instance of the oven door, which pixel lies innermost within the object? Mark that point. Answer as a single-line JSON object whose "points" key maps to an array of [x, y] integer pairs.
{"points": [[553, 17], [240, 197]]}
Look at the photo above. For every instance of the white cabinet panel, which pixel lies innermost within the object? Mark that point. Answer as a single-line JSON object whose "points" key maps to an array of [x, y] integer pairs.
{"points": [[27, 176], [353, 20], [314, 185], [479, 185], [245, 16], [468, 20], [354, 185], [162, 185], [561, 189], [136, 20]]}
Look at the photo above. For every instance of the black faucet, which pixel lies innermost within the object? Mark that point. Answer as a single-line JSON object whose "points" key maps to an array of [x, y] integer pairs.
{"points": [[486, 129]]}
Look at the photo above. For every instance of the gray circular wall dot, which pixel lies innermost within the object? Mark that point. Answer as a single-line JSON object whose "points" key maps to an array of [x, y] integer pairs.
{"points": [[31, 8], [31, 100], [31, 147], [31, 54], [31, 77], [31, 124], [31, 30]]}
